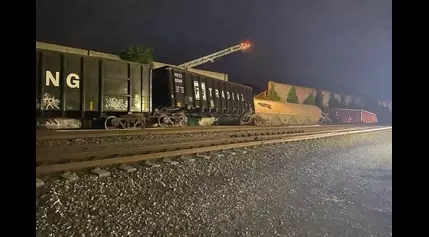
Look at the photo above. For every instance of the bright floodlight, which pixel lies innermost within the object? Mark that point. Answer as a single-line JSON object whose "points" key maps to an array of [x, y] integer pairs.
{"points": [[245, 45]]}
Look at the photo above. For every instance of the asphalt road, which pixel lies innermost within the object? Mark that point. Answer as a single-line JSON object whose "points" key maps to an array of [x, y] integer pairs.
{"points": [[330, 187]]}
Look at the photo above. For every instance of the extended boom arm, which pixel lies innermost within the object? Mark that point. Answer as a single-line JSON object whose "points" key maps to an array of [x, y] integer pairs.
{"points": [[213, 56]]}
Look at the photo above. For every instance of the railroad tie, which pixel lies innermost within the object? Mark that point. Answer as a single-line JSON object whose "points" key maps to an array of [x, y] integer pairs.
{"points": [[100, 172], [219, 155], [70, 176], [230, 153], [242, 151], [204, 156], [128, 169], [169, 161], [187, 159], [152, 164]]}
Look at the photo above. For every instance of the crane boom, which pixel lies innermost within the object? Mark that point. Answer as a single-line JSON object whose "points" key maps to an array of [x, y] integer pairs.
{"points": [[213, 56]]}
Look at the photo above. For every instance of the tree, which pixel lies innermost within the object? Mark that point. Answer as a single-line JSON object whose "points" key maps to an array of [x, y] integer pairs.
{"points": [[310, 100], [354, 105], [291, 96], [333, 102], [343, 102], [319, 99], [138, 53], [272, 94]]}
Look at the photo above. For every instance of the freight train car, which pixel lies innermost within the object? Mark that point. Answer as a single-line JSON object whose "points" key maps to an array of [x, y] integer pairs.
{"points": [[352, 116], [178, 93], [76, 90], [270, 112]]}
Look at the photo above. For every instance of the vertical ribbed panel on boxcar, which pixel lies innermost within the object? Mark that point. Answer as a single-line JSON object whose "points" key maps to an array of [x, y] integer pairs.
{"points": [[179, 88], [73, 68], [210, 94], [50, 80], [203, 85], [216, 96], [222, 88], [136, 87], [91, 80], [116, 80], [38, 80], [160, 89], [147, 88], [197, 91]]}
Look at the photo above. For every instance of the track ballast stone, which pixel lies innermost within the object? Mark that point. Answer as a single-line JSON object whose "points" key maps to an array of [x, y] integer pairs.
{"points": [[338, 186], [153, 137], [121, 139]]}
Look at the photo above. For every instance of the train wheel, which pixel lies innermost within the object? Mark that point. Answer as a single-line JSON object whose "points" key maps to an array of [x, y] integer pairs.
{"points": [[140, 123], [111, 123], [164, 121], [183, 121], [257, 120]]}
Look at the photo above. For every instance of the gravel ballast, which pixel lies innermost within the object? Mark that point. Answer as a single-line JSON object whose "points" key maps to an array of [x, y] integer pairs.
{"points": [[130, 138], [338, 186], [148, 137]]}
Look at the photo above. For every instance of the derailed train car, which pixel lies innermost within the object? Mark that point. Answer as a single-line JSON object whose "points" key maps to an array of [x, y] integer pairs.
{"points": [[352, 116], [75, 89], [198, 96]]}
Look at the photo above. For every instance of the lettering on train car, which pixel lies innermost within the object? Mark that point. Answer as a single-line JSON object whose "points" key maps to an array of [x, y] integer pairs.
{"points": [[178, 79], [197, 90], [178, 75], [203, 90], [72, 80], [229, 95]]}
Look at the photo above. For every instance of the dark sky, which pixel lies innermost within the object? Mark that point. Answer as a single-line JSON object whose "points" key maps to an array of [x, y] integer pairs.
{"points": [[339, 45]]}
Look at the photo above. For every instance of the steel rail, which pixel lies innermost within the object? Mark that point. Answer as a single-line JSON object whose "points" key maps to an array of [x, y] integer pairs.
{"points": [[43, 170]]}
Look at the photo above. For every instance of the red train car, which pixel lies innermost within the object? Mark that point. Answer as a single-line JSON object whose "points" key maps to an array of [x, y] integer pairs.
{"points": [[352, 116]]}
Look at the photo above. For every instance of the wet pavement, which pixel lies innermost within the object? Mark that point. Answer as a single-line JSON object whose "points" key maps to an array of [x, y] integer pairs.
{"points": [[329, 187]]}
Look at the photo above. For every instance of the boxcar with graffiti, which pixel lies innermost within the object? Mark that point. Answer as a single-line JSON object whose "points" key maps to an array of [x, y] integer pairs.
{"points": [[75, 89], [78, 89], [200, 96]]}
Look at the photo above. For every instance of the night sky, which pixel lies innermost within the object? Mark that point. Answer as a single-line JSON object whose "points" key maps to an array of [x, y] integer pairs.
{"points": [[338, 45]]}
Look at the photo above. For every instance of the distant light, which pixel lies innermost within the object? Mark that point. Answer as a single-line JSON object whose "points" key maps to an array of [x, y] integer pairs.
{"points": [[245, 45]]}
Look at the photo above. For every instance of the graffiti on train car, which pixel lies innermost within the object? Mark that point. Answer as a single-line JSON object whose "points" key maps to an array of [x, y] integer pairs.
{"points": [[115, 104], [265, 105], [49, 102]]}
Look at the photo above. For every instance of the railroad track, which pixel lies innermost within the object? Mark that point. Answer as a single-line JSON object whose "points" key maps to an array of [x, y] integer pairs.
{"points": [[98, 155], [72, 134], [107, 150]]}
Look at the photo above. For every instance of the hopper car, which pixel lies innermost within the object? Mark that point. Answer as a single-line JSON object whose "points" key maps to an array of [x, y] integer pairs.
{"points": [[77, 90]]}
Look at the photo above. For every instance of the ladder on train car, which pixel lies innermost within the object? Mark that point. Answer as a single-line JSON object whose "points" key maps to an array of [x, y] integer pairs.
{"points": [[211, 57]]}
